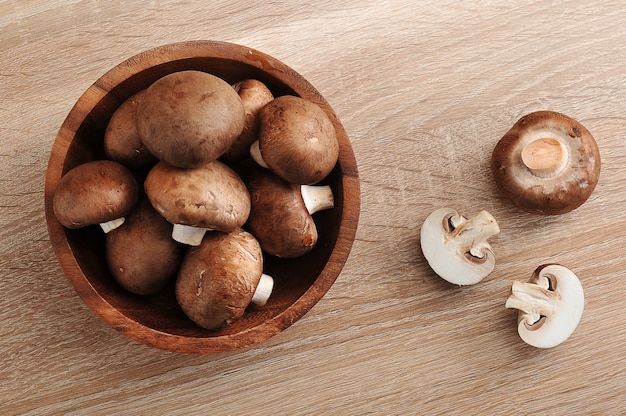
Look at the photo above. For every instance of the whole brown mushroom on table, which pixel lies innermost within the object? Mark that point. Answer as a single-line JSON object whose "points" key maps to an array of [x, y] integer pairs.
{"points": [[547, 163]]}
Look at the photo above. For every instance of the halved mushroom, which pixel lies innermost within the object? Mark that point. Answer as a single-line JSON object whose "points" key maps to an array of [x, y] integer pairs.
{"points": [[550, 305], [121, 140], [189, 118], [97, 192], [547, 163], [209, 197], [280, 213], [297, 140], [254, 95], [456, 248], [219, 279], [141, 254]]}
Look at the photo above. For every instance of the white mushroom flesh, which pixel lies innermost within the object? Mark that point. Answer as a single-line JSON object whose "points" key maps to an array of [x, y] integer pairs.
{"points": [[533, 300], [470, 236], [456, 248], [263, 290], [255, 153], [189, 235], [317, 197], [109, 226], [550, 305]]}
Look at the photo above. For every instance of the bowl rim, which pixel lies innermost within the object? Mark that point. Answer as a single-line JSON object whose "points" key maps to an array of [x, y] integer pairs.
{"points": [[175, 342]]}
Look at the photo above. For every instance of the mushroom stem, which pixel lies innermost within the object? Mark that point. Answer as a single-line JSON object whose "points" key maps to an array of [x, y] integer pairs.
{"points": [[533, 300], [189, 235], [317, 197], [545, 157], [255, 153], [263, 290], [472, 235], [111, 225]]}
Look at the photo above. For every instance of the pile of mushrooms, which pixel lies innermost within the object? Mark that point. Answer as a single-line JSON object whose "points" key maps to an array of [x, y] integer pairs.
{"points": [[196, 218]]}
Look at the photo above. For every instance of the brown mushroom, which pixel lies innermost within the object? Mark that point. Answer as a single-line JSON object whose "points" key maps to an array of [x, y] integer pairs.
{"points": [[97, 192], [121, 140], [219, 279], [189, 118], [209, 197], [254, 94], [141, 254], [280, 215], [547, 163], [297, 140]]}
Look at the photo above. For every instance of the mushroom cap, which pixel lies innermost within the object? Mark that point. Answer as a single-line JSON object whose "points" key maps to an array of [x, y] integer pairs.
{"points": [[278, 217], [121, 140], [93, 193], [218, 278], [141, 254], [561, 290], [547, 163], [452, 258], [189, 118], [254, 95], [211, 196], [297, 140]]}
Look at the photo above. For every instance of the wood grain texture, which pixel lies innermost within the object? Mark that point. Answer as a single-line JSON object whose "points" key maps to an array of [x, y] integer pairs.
{"points": [[424, 90]]}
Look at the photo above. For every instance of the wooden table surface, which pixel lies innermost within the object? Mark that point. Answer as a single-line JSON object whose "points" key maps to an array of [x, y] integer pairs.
{"points": [[425, 90]]}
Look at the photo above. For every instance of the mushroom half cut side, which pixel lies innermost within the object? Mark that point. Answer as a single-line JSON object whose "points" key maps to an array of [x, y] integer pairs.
{"points": [[547, 163], [456, 248], [550, 305]]}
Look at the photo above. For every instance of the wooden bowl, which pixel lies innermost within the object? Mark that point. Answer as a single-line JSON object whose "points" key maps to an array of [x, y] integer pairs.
{"points": [[157, 320]]}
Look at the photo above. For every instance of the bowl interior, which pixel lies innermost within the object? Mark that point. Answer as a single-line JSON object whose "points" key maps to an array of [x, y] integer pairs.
{"points": [[158, 320]]}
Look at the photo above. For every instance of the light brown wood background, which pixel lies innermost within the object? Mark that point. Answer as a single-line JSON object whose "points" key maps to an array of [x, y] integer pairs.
{"points": [[425, 90]]}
